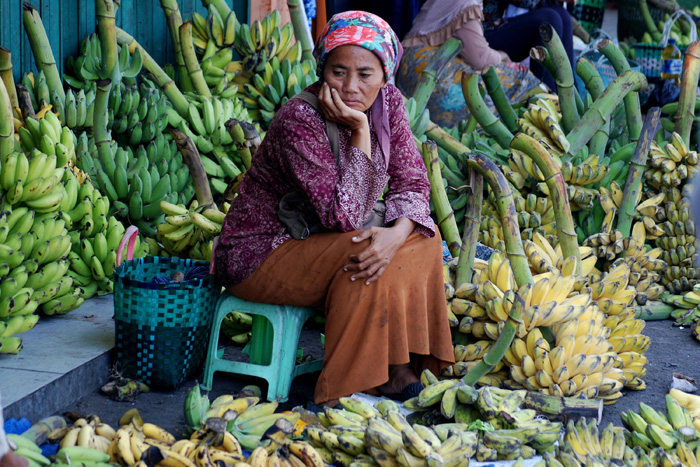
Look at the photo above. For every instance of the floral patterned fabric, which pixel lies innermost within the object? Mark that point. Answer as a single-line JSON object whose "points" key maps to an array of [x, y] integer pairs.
{"points": [[362, 29], [447, 105], [296, 156]]}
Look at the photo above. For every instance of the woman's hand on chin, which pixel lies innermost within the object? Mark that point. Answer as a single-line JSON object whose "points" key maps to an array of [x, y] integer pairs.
{"points": [[335, 110]]}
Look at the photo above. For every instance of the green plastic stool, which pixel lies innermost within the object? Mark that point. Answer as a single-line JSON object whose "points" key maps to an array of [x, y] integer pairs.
{"points": [[273, 345]]}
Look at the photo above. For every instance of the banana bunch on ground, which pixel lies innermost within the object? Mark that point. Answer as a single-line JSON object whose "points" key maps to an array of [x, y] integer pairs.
{"points": [[690, 402], [198, 408], [137, 113], [275, 84], [678, 243], [49, 136], [205, 127], [250, 424], [651, 429], [541, 121], [670, 165], [136, 441], [535, 217], [586, 444], [686, 306], [86, 432], [189, 231], [135, 182], [82, 72], [237, 327], [28, 449]]}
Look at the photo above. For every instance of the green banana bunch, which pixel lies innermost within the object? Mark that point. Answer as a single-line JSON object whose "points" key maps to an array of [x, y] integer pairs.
{"points": [[237, 326], [137, 113], [275, 84], [196, 405], [48, 135], [87, 67], [221, 32], [190, 231], [264, 40], [33, 180], [419, 122]]}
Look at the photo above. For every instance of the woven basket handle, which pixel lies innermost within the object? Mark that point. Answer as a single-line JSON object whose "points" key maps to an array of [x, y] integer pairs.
{"points": [[129, 236], [669, 24], [212, 264]]}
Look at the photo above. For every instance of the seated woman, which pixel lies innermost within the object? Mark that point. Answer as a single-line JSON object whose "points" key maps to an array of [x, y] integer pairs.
{"points": [[437, 21], [517, 35], [381, 288]]}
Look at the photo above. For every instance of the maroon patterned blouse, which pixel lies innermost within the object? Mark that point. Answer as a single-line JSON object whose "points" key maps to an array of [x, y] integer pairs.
{"points": [[296, 156]]}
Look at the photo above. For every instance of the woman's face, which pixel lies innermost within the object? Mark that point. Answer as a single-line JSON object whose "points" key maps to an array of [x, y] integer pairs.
{"points": [[356, 73]]}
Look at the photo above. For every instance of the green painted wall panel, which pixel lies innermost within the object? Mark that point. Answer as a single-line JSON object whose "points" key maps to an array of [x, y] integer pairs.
{"points": [[67, 22]]}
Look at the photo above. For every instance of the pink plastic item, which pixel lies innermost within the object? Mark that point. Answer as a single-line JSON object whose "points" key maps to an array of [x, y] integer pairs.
{"points": [[129, 236]]}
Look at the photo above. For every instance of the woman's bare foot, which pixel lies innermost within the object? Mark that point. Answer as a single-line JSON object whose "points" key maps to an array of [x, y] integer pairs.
{"points": [[400, 376]]}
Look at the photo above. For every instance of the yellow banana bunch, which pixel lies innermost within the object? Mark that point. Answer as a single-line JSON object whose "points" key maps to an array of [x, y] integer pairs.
{"points": [[541, 121], [544, 256], [535, 215], [585, 444], [647, 211], [670, 165]]}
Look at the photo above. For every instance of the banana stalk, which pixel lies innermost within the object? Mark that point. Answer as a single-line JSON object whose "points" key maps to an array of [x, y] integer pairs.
{"points": [[667, 6], [541, 54], [633, 109], [161, 77], [443, 210], [191, 62], [174, 20], [599, 112], [635, 176], [488, 121], [99, 126], [649, 21], [564, 76], [563, 407], [41, 48], [6, 75], [25, 102], [500, 101], [595, 86], [429, 76], [220, 5], [105, 11], [445, 140], [655, 312], [301, 28], [7, 129], [472, 224], [566, 231], [686, 101], [502, 344], [505, 206], [191, 156], [580, 31]]}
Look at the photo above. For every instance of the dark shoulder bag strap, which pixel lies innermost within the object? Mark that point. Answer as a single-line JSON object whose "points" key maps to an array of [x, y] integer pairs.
{"points": [[331, 127]]}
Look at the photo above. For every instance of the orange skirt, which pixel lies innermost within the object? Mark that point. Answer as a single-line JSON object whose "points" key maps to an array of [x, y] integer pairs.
{"points": [[400, 318]]}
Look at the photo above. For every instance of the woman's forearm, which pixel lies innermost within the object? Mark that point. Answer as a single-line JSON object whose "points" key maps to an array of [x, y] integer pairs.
{"points": [[404, 226], [360, 138]]}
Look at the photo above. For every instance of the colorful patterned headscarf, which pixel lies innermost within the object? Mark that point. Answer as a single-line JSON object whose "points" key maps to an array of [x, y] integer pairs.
{"points": [[374, 34], [365, 30]]}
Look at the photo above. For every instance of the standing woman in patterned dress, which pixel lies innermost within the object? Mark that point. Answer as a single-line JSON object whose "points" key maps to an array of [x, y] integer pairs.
{"points": [[381, 288]]}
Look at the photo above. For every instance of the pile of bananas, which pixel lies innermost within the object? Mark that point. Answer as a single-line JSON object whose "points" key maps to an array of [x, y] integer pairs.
{"points": [[646, 211], [546, 256], [275, 84], [137, 112], [672, 165], [584, 445], [205, 127], [678, 244], [27, 448], [136, 182], [541, 121], [237, 327], [265, 39], [86, 432], [655, 433], [535, 217], [419, 122], [190, 231], [48, 136], [86, 69]]}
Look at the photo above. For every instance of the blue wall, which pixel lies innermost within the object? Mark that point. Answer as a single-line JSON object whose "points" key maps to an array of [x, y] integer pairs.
{"points": [[67, 22]]}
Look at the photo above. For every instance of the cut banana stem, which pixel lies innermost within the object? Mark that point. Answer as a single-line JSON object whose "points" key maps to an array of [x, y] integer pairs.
{"points": [[686, 101], [633, 109], [105, 12], [567, 407], [566, 231], [500, 100], [190, 58], [429, 76], [43, 56], [446, 141], [190, 154], [6, 75], [588, 72], [636, 173], [653, 312], [471, 230], [7, 130], [174, 20], [302, 33], [564, 76], [477, 107], [505, 205]]}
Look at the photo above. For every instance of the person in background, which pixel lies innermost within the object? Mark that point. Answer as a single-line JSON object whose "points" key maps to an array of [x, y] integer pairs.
{"points": [[7, 457], [437, 21], [381, 287], [516, 35]]}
